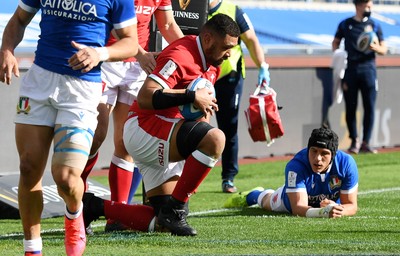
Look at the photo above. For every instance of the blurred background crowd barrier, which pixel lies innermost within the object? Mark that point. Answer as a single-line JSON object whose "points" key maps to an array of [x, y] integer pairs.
{"points": [[296, 37]]}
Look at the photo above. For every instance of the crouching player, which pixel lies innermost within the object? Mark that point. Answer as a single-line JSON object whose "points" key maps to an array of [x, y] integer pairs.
{"points": [[320, 181], [173, 153]]}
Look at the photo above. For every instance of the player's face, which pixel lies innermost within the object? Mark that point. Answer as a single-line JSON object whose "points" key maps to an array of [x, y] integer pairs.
{"points": [[364, 7], [319, 158], [219, 49]]}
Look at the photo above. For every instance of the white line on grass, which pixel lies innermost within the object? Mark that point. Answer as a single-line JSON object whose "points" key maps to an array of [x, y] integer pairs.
{"points": [[374, 191]]}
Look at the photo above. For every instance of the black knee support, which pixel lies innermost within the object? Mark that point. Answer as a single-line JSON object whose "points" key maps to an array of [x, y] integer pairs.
{"points": [[189, 136]]}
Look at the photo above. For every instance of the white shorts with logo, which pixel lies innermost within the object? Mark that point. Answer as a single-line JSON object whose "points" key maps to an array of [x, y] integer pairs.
{"points": [[276, 201], [123, 81], [148, 143], [47, 98]]}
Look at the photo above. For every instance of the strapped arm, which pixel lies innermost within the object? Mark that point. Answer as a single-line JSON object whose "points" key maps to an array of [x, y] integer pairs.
{"points": [[162, 100]]}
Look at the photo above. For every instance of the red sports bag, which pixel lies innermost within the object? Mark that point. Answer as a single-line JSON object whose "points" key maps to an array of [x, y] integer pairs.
{"points": [[263, 119]]}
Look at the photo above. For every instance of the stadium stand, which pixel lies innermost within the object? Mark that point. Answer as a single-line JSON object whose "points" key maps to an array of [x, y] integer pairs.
{"points": [[283, 27]]}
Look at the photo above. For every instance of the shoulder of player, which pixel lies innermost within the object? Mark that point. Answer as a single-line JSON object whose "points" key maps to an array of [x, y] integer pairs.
{"points": [[181, 51], [299, 159], [374, 23], [343, 159], [346, 22]]}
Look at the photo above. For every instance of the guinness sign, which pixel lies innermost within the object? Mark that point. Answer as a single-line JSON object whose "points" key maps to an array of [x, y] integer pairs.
{"points": [[190, 15]]}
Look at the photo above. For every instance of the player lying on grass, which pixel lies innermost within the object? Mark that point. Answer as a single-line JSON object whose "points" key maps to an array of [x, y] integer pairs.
{"points": [[320, 181]]}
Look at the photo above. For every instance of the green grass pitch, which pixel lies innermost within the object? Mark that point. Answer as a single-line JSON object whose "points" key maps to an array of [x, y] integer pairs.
{"points": [[375, 230]]}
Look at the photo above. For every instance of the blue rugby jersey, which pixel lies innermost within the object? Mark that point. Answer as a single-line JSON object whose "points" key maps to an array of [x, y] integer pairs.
{"points": [[299, 176], [87, 22]]}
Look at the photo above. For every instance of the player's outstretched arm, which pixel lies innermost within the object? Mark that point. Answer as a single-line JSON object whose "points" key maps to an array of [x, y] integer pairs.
{"points": [[299, 203]]}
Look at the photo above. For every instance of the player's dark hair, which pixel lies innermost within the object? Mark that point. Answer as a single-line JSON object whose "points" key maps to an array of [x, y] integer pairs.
{"points": [[324, 138], [360, 1], [223, 25]]}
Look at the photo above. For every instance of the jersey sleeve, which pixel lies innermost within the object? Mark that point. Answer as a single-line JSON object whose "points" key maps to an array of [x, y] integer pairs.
{"points": [[243, 20], [294, 177], [340, 30], [122, 15], [31, 6], [379, 32], [168, 72], [165, 5], [350, 181]]}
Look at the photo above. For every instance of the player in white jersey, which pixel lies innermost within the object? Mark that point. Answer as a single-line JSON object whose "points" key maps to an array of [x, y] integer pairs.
{"points": [[320, 181], [58, 100], [123, 80]]}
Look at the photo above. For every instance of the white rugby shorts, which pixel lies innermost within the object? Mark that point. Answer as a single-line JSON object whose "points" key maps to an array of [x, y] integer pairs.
{"points": [[148, 143], [123, 81], [47, 98], [276, 201]]}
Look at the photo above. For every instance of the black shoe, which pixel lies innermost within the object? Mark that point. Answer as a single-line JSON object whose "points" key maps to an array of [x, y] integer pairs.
{"points": [[93, 208], [365, 148], [354, 147], [175, 221], [114, 226]]}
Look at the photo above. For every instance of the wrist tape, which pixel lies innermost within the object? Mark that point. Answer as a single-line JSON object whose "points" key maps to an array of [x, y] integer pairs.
{"points": [[319, 212], [103, 53]]}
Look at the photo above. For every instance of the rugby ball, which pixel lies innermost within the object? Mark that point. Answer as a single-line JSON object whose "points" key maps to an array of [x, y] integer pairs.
{"points": [[365, 39], [189, 111]]}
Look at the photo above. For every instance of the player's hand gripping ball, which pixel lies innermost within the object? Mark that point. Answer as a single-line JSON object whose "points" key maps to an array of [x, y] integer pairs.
{"points": [[189, 111], [365, 40]]}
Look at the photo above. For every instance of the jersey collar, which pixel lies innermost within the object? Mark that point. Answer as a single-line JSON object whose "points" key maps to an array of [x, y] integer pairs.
{"points": [[203, 58]]}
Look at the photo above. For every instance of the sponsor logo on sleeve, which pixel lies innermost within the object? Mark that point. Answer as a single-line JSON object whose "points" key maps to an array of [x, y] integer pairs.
{"points": [[168, 69], [292, 179]]}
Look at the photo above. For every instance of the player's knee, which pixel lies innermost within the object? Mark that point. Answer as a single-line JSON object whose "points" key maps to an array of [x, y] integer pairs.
{"points": [[190, 135], [29, 174], [66, 179], [213, 143]]}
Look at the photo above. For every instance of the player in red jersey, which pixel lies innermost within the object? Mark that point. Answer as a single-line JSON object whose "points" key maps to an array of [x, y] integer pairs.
{"points": [[122, 81], [175, 155]]}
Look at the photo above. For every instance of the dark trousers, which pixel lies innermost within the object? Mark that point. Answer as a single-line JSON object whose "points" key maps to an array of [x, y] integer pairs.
{"points": [[228, 91], [360, 77]]}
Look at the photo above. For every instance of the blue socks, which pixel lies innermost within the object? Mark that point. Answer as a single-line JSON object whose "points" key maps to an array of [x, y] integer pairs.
{"points": [[136, 179], [252, 197]]}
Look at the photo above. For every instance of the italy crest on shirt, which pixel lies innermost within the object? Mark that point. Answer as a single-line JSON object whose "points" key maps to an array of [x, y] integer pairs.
{"points": [[335, 182]]}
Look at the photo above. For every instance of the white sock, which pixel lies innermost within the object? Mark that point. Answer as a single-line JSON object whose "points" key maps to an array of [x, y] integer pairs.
{"points": [[34, 245], [73, 215], [152, 225], [122, 163], [261, 196]]}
